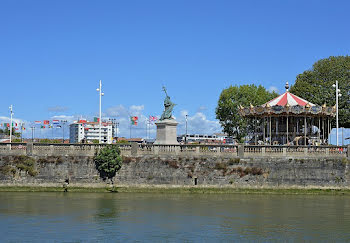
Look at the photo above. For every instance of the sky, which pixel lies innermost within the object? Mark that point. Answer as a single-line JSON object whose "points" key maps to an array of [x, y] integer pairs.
{"points": [[53, 54]]}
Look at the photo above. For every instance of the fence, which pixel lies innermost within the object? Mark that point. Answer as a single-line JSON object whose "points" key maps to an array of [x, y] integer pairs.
{"points": [[133, 149]]}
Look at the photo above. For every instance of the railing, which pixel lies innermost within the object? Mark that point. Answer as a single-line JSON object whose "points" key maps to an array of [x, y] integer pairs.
{"points": [[145, 149]]}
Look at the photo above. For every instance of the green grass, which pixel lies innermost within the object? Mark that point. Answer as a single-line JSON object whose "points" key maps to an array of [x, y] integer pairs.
{"points": [[183, 190]]}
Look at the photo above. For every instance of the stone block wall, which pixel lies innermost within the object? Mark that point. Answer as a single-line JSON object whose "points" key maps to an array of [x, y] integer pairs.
{"points": [[175, 170]]}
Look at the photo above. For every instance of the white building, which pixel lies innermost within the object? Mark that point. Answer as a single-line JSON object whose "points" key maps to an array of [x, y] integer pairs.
{"points": [[89, 132]]}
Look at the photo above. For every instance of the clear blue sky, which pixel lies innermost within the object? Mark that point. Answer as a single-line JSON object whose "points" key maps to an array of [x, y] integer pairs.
{"points": [[53, 53]]}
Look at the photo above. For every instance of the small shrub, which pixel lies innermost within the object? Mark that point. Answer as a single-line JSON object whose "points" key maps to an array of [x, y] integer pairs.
{"points": [[256, 171], [247, 170], [191, 167], [25, 163], [42, 160], [32, 172], [220, 166], [233, 161], [7, 170], [150, 177], [172, 164], [345, 161], [126, 160], [231, 181]]}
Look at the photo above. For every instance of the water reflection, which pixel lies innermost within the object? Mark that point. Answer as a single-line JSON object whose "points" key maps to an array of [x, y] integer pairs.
{"points": [[159, 217]]}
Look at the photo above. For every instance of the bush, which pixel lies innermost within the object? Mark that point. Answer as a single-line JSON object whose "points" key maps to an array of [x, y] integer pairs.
{"points": [[25, 163], [220, 166], [108, 161], [172, 164], [233, 161], [127, 160]]}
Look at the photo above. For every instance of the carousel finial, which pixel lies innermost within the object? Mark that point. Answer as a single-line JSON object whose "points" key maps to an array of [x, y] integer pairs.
{"points": [[287, 86]]}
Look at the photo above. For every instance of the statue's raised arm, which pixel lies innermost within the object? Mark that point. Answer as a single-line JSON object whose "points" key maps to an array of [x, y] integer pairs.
{"points": [[168, 107]]}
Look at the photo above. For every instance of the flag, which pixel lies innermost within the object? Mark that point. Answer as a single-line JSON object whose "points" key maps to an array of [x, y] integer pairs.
{"points": [[55, 122], [153, 118], [37, 122], [46, 122], [96, 119], [23, 128], [8, 124], [133, 120], [42, 127]]}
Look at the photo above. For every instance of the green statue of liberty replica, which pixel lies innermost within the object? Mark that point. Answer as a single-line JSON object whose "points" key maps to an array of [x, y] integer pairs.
{"points": [[168, 107], [166, 127]]}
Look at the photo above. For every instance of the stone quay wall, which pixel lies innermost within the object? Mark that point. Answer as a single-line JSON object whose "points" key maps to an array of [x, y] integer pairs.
{"points": [[178, 170]]}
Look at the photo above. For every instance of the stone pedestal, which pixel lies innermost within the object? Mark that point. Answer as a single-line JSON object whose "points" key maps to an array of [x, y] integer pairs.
{"points": [[166, 132]]}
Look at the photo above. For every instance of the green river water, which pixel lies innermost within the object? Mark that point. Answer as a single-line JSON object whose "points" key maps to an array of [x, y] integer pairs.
{"points": [[152, 217]]}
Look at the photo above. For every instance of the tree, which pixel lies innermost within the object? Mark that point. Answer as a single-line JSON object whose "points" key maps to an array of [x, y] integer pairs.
{"points": [[234, 96], [315, 85], [108, 161]]}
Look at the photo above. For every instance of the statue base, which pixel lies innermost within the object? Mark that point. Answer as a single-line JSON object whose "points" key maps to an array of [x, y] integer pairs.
{"points": [[166, 132]]}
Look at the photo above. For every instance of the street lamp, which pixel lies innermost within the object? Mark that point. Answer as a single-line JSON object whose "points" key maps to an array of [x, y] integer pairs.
{"points": [[100, 122], [186, 130], [337, 95], [11, 123]]}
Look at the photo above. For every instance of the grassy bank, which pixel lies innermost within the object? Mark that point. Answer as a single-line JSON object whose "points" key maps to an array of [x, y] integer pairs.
{"points": [[183, 190]]}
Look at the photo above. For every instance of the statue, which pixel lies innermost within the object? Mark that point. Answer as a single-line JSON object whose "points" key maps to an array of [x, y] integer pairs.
{"points": [[168, 107]]}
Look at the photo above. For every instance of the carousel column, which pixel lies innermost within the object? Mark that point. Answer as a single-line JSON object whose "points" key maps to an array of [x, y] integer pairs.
{"points": [[287, 132], [270, 132], [264, 130], [323, 130], [255, 138], [305, 130], [319, 130], [328, 131]]}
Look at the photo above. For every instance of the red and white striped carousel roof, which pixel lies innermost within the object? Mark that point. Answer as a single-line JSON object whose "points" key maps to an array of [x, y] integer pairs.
{"points": [[288, 98]]}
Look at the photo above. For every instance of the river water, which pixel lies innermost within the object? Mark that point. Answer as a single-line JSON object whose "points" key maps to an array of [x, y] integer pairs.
{"points": [[67, 217]]}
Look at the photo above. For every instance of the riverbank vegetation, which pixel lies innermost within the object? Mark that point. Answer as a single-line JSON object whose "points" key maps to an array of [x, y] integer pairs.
{"points": [[184, 190]]}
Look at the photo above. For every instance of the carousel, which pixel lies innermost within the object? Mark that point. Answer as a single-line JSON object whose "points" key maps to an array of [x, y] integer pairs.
{"points": [[288, 120]]}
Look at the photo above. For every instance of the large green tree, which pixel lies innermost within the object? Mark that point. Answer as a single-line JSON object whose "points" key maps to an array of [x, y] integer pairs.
{"points": [[108, 161], [234, 96], [315, 85]]}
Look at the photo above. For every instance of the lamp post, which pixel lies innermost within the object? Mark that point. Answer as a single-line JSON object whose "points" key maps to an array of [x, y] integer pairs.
{"points": [[63, 123], [337, 95], [100, 118], [117, 129], [11, 114], [186, 130], [33, 128]]}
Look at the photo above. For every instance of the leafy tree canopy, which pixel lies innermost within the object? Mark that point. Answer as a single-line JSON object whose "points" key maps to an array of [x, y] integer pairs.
{"points": [[108, 161], [315, 85], [230, 99]]}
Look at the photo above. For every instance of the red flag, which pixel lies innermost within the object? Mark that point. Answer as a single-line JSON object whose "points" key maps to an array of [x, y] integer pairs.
{"points": [[46, 122]]}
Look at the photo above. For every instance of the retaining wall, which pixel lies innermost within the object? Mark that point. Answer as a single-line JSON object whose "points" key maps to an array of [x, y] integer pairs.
{"points": [[175, 170]]}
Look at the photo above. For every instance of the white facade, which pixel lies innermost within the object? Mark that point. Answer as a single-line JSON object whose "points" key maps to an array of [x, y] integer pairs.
{"points": [[89, 131]]}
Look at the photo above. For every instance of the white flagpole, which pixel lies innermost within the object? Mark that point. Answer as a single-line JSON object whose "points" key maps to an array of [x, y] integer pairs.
{"points": [[11, 123]]}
